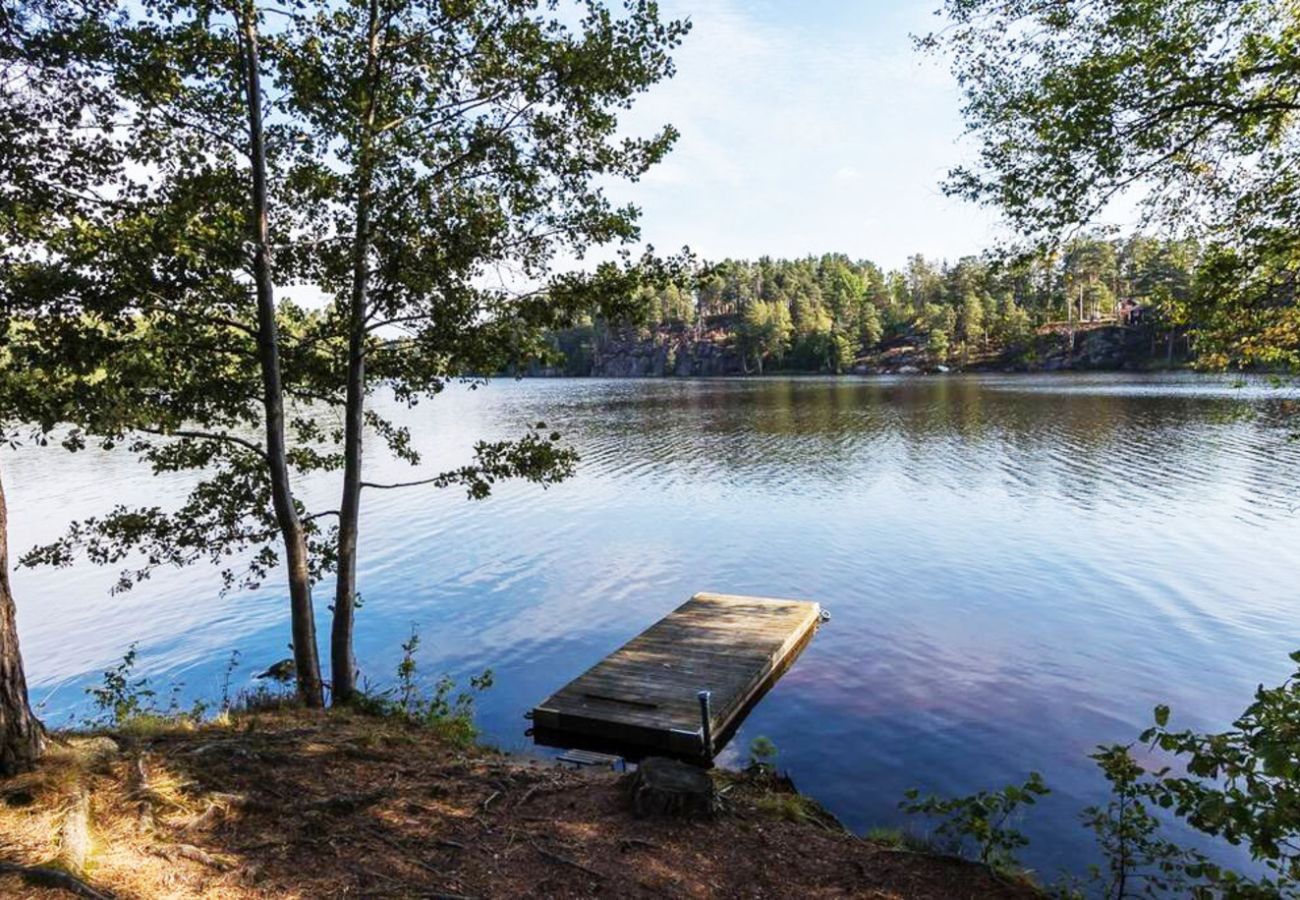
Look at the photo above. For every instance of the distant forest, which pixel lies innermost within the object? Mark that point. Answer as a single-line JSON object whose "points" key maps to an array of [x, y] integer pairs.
{"points": [[824, 313]]}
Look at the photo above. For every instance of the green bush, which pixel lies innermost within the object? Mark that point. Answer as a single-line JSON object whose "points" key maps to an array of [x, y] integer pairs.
{"points": [[762, 753], [1138, 862], [982, 820], [448, 713], [119, 696], [1241, 786]]}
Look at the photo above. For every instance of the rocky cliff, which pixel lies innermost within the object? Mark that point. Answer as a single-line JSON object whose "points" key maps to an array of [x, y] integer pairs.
{"points": [[677, 352], [681, 351]]}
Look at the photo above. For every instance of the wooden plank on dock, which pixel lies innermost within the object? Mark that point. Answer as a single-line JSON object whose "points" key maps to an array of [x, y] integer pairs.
{"points": [[645, 694]]}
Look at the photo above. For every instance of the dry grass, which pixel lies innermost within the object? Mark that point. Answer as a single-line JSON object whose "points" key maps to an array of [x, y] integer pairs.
{"points": [[292, 804]]}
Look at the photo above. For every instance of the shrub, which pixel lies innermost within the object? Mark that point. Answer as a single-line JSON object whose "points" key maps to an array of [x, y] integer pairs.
{"points": [[1138, 861], [981, 819], [762, 754], [450, 714], [120, 697], [1241, 785]]}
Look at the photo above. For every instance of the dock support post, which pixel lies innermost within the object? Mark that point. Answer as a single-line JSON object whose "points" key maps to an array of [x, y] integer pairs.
{"points": [[706, 731]]}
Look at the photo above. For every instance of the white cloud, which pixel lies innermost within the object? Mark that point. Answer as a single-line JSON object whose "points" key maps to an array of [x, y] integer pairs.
{"points": [[804, 133]]}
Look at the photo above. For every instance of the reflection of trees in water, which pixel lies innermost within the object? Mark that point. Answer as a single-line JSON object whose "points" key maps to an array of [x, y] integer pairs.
{"points": [[961, 434]]}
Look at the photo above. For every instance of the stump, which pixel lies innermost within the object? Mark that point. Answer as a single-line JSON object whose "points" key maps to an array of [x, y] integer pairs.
{"points": [[666, 787]]}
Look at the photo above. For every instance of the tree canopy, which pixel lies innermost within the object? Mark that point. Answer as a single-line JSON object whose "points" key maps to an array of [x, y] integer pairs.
{"points": [[823, 313], [396, 157], [1186, 108]]}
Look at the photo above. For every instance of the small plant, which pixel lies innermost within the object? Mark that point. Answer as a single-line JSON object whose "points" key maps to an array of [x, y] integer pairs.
{"points": [[762, 754], [981, 819], [231, 665], [120, 697], [1138, 862], [407, 690], [900, 839], [448, 712], [1239, 785], [174, 700], [262, 698], [789, 807]]}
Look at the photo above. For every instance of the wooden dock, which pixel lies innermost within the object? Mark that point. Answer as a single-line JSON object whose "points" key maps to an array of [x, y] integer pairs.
{"points": [[645, 698]]}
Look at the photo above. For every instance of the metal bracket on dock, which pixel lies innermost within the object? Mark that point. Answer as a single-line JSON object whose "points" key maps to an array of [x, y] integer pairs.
{"points": [[706, 732]]}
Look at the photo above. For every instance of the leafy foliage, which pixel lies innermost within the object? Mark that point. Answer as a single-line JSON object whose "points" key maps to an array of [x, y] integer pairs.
{"points": [[121, 696], [1243, 784], [1187, 107], [762, 754], [443, 709], [982, 819], [1139, 863], [425, 165], [538, 457]]}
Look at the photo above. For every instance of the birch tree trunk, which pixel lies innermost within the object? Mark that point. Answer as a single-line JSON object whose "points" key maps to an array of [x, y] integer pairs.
{"points": [[342, 663], [306, 660]]}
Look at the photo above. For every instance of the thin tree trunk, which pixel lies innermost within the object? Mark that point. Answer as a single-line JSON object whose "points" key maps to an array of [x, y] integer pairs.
{"points": [[21, 737], [306, 660], [342, 662]]}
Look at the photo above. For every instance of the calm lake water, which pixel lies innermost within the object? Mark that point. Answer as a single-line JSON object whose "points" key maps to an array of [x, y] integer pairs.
{"points": [[1017, 567]]}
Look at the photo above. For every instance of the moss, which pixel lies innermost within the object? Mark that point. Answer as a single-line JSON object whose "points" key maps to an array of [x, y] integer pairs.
{"points": [[901, 839]]}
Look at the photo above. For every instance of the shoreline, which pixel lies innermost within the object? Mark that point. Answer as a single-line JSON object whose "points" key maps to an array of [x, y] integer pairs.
{"points": [[243, 808]]}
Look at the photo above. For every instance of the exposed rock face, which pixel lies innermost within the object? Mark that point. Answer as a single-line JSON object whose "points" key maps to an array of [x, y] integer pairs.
{"points": [[684, 351], [1110, 348], [681, 353], [1104, 348]]}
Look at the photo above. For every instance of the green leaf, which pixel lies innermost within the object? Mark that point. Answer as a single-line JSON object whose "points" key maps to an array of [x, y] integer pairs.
{"points": [[1162, 715]]}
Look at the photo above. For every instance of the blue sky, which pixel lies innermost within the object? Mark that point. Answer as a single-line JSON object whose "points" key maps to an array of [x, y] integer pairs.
{"points": [[807, 126]]}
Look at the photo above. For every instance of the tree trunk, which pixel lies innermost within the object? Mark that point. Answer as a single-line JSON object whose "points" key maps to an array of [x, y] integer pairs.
{"points": [[21, 738], [306, 660], [342, 662]]}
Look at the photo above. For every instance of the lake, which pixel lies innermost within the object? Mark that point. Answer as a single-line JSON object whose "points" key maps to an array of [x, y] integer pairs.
{"points": [[1017, 567]]}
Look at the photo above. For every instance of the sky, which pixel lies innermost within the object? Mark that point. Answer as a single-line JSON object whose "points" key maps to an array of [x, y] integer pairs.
{"points": [[807, 126]]}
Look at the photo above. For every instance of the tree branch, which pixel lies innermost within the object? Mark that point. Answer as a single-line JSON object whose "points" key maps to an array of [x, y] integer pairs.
{"points": [[219, 436], [404, 484]]}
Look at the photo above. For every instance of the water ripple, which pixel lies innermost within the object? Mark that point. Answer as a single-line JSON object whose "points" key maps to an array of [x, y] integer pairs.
{"points": [[1018, 567]]}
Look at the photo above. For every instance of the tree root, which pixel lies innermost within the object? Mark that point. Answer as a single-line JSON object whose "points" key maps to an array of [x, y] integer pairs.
{"points": [[347, 804], [51, 877], [209, 815], [74, 836], [564, 860], [142, 791], [190, 852]]}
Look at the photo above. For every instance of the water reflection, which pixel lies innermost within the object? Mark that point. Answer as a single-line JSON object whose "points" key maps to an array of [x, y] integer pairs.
{"points": [[1018, 567]]}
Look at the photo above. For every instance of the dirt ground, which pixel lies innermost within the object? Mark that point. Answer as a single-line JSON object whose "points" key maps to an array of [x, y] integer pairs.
{"points": [[330, 806]]}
